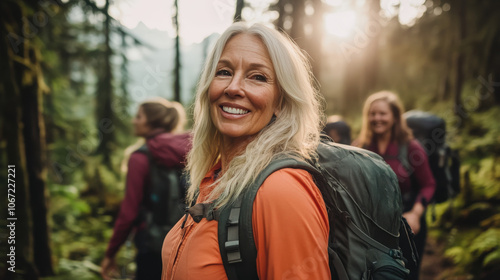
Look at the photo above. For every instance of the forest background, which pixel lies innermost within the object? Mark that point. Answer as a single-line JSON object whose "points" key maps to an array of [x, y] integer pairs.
{"points": [[72, 74]]}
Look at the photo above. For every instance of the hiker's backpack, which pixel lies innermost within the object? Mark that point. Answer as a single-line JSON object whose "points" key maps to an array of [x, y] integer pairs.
{"points": [[364, 207], [163, 203], [430, 131]]}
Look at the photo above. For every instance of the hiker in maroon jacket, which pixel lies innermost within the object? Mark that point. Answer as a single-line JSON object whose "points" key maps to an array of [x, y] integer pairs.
{"points": [[159, 122], [385, 132]]}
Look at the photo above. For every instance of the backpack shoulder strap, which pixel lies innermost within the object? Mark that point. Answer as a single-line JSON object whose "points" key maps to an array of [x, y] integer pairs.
{"points": [[403, 157], [144, 149], [235, 232]]}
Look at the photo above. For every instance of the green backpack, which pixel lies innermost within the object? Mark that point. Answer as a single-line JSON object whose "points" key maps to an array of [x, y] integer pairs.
{"points": [[364, 205]]}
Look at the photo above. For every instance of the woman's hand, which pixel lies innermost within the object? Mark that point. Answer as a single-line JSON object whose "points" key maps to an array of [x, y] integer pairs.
{"points": [[413, 216], [413, 220], [109, 269]]}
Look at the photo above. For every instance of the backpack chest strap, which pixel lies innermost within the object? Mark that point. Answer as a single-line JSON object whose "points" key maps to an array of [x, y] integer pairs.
{"points": [[238, 255], [203, 210], [235, 231], [232, 244]]}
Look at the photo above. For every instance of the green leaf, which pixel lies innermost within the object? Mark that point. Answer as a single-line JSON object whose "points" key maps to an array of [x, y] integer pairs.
{"points": [[458, 255], [492, 259]]}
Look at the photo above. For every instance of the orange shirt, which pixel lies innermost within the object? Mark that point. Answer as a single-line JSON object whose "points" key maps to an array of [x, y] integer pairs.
{"points": [[290, 225]]}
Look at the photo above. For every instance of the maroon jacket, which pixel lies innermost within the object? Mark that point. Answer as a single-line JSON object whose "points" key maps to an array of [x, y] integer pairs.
{"points": [[167, 149], [418, 160]]}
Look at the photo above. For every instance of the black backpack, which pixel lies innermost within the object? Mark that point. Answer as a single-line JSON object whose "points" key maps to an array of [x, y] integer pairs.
{"points": [[430, 131], [364, 206], [163, 204]]}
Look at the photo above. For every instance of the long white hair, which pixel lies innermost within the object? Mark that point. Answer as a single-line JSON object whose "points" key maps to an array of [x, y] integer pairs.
{"points": [[295, 130]]}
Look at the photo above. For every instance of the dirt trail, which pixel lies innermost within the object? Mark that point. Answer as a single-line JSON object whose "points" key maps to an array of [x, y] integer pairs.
{"points": [[432, 261]]}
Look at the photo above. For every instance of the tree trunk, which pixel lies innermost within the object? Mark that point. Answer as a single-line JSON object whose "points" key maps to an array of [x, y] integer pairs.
{"points": [[370, 68], [459, 63], [105, 116], [34, 138], [352, 77], [20, 85], [361, 56], [24, 261], [280, 21], [444, 86], [352, 97], [239, 7], [177, 66], [307, 30], [122, 104], [315, 39], [298, 14]]}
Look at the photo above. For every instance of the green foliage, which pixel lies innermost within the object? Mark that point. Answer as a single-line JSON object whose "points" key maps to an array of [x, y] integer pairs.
{"points": [[85, 194], [470, 224], [487, 183], [493, 221], [492, 259], [459, 255], [475, 251], [82, 219], [488, 241], [69, 269], [481, 134]]}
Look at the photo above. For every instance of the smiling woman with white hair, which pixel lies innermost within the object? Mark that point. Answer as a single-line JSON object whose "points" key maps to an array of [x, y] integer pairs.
{"points": [[255, 102]]}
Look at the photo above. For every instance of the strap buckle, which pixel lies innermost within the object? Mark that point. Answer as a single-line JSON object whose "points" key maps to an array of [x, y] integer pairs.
{"points": [[232, 246], [233, 251]]}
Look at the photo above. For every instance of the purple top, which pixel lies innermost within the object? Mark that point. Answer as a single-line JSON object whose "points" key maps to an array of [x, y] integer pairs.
{"points": [[417, 158], [167, 149]]}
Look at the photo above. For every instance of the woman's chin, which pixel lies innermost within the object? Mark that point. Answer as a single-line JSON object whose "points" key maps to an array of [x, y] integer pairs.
{"points": [[379, 132]]}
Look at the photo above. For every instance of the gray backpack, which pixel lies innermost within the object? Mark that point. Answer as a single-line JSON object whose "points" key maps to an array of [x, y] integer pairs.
{"points": [[364, 206]]}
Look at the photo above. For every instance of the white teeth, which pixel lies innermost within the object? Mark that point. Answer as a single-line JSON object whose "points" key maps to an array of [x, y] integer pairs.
{"points": [[234, 110]]}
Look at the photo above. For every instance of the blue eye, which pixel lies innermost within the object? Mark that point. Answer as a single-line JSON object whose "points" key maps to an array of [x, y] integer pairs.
{"points": [[222, 73]]}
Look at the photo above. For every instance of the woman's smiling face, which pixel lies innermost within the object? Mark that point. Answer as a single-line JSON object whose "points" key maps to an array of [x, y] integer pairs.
{"points": [[244, 92], [381, 118]]}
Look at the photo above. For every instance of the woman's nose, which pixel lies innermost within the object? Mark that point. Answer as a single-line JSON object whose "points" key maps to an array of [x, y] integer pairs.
{"points": [[235, 87]]}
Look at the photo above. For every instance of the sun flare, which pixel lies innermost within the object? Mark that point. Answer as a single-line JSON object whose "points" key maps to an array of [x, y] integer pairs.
{"points": [[340, 24]]}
